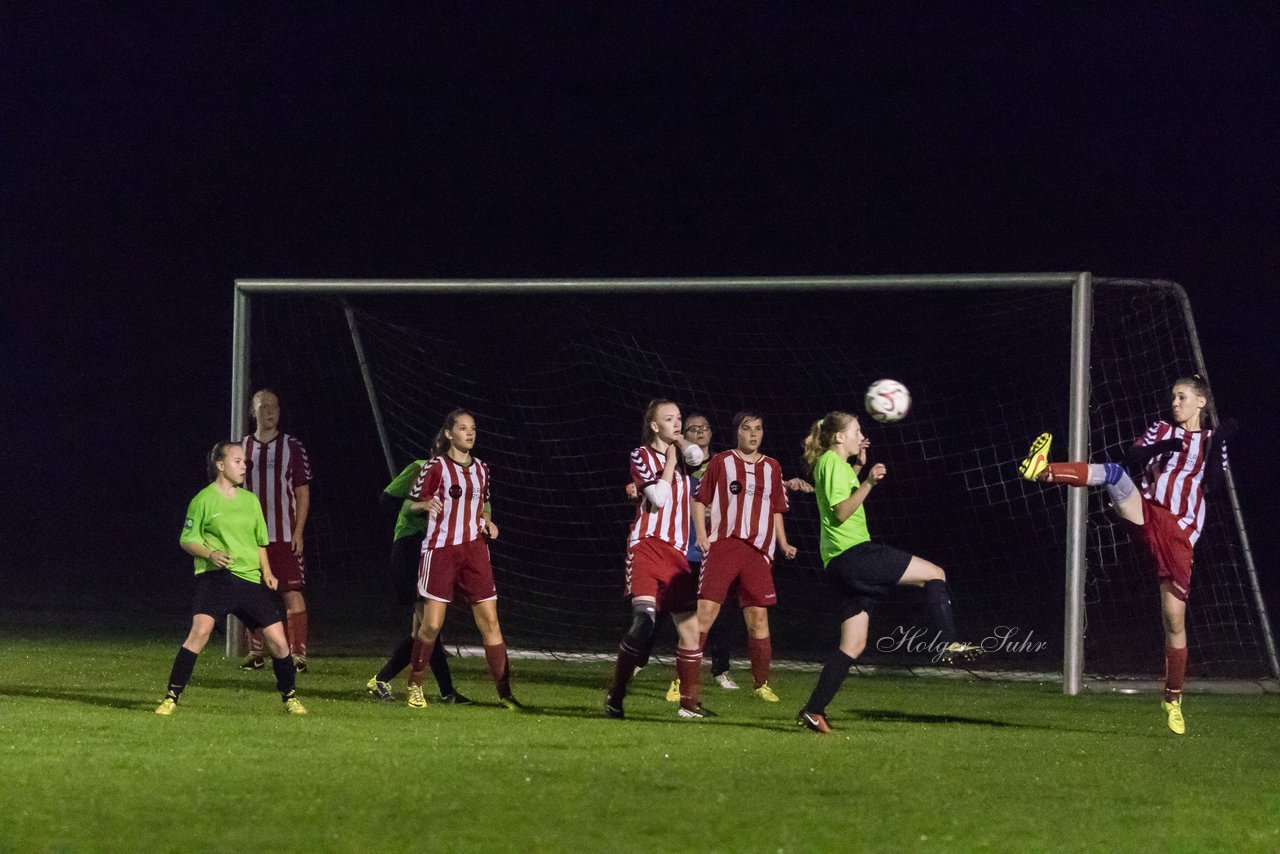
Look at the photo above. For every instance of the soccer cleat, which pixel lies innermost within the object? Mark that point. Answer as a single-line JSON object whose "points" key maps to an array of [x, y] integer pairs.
{"points": [[698, 711], [813, 721], [513, 704], [673, 691], [764, 692], [725, 681], [1172, 710], [956, 653], [300, 664], [1037, 459], [613, 708], [167, 706], [252, 663], [379, 690], [455, 699], [293, 706], [416, 700]]}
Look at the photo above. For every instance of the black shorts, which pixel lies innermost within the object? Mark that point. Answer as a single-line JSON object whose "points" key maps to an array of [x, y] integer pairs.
{"points": [[221, 592], [405, 554], [865, 575]]}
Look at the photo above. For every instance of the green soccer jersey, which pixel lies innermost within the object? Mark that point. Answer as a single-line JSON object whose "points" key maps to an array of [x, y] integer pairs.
{"points": [[833, 482], [233, 525], [407, 524]]}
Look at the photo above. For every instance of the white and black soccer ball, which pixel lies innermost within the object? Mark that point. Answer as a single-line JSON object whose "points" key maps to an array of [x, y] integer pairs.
{"points": [[888, 401]]}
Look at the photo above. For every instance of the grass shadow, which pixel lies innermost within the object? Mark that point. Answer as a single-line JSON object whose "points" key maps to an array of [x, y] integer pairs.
{"points": [[83, 698]]}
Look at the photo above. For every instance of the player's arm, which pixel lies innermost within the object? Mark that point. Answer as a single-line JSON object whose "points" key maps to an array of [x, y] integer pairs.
{"points": [[490, 530], [659, 491], [846, 508], [268, 578], [700, 526], [860, 459], [780, 531], [798, 484], [423, 495]]}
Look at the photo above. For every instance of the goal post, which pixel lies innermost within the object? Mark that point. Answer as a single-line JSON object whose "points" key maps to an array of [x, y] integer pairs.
{"points": [[1077, 378]]}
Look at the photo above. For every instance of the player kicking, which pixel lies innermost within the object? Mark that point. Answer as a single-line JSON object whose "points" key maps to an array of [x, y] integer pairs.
{"points": [[863, 573], [658, 574], [744, 490], [279, 473], [226, 533], [453, 491], [406, 550], [1180, 464]]}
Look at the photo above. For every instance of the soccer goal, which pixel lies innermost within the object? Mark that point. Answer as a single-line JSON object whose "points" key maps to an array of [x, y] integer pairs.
{"points": [[558, 373]]}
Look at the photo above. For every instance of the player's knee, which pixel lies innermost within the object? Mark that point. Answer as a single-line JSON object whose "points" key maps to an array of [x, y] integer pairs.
{"points": [[853, 647], [644, 621]]}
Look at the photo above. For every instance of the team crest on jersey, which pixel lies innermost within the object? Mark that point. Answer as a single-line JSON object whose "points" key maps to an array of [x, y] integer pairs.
{"points": [[455, 491], [735, 487], [190, 523]]}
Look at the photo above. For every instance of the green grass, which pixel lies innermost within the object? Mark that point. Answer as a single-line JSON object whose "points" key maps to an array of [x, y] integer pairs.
{"points": [[916, 764]]}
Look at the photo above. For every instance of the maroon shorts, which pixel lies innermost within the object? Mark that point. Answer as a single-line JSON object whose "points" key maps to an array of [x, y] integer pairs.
{"points": [[656, 568], [1169, 546], [464, 570], [287, 567], [730, 559]]}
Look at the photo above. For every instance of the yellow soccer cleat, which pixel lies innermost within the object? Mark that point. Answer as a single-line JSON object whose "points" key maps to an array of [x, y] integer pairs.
{"points": [[293, 706], [416, 700], [958, 653], [673, 691], [764, 692], [1037, 459], [1174, 712], [167, 706]]}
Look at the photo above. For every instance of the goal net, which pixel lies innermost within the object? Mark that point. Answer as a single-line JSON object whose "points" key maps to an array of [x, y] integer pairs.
{"points": [[558, 380]]}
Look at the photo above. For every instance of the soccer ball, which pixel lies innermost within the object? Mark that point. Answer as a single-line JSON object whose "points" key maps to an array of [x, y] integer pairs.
{"points": [[888, 401]]}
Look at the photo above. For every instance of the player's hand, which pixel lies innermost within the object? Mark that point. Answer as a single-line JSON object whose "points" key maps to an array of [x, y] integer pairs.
{"points": [[270, 580], [296, 543], [789, 552], [490, 529], [862, 450], [220, 559], [876, 473], [704, 544], [797, 484], [673, 453]]}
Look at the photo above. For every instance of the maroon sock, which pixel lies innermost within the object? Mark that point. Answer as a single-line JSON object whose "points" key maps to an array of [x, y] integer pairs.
{"points": [[1072, 474], [623, 670], [760, 651], [254, 640], [499, 669], [296, 631], [1175, 672], [689, 672], [418, 661]]}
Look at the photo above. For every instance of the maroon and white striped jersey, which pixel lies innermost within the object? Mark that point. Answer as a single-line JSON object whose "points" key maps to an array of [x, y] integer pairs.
{"points": [[1174, 480], [463, 490], [743, 496], [669, 523], [273, 471]]}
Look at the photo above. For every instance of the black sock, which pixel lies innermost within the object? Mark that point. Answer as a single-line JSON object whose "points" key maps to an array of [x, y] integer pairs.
{"points": [[829, 682], [183, 663], [286, 676], [719, 647], [646, 649], [398, 661], [938, 597], [440, 668]]}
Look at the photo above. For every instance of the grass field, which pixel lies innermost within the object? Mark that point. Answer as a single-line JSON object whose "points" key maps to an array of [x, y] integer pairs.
{"points": [[915, 765]]}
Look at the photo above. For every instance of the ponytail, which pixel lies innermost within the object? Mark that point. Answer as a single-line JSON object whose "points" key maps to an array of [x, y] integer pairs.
{"points": [[822, 436]]}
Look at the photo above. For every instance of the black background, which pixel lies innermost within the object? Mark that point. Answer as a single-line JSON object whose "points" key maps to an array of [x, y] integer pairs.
{"points": [[151, 157]]}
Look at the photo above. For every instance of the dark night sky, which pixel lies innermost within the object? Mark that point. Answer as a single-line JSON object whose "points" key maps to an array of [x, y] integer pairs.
{"points": [[150, 158]]}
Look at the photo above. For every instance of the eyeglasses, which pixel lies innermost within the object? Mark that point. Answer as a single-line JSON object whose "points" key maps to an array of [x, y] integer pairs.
{"points": [[697, 428]]}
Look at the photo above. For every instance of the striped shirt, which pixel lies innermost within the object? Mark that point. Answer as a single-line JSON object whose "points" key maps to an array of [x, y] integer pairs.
{"points": [[1174, 480], [274, 470], [743, 496], [669, 523], [463, 490]]}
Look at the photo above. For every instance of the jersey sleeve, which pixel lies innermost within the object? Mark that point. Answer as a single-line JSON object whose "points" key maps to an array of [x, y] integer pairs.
{"points": [[1154, 434], [642, 473], [427, 482], [193, 525], [260, 526], [403, 483], [484, 467], [827, 480], [780, 503], [299, 464], [710, 478]]}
